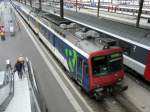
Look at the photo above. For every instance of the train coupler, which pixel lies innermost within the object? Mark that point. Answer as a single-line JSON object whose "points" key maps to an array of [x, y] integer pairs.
{"points": [[98, 94], [124, 88]]}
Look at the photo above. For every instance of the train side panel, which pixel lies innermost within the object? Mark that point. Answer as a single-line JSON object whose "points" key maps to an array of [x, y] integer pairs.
{"points": [[136, 58], [72, 60]]}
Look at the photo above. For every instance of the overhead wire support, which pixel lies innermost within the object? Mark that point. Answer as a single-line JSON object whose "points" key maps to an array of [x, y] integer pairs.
{"points": [[62, 8], [40, 4], [76, 5], [31, 3], [139, 12], [25, 2]]}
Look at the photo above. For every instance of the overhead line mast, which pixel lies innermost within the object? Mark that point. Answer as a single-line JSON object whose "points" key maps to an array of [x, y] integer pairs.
{"points": [[139, 12], [62, 8], [40, 4]]}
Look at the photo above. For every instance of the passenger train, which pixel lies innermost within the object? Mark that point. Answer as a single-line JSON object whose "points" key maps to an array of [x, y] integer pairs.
{"points": [[131, 9], [93, 62]]}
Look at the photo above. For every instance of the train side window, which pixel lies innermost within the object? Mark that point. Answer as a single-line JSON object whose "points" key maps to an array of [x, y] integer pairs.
{"points": [[46, 33], [79, 62], [50, 37], [61, 47]]}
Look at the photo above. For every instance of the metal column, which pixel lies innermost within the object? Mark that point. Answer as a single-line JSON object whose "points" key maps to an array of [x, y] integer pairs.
{"points": [[62, 8], [31, 3], [98, 8], [140, 12], [40, 4], [76, 5]]}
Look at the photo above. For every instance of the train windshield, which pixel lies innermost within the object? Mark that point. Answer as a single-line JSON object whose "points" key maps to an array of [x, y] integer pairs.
{"points": [[115, 62], [103, 65]]}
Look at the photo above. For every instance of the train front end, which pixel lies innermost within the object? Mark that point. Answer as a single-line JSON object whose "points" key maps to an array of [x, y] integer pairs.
{"points": [[106, 72]]}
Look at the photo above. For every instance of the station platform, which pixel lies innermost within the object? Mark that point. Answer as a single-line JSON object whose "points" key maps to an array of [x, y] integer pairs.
{"points": [[115, 28], [119, 16]]}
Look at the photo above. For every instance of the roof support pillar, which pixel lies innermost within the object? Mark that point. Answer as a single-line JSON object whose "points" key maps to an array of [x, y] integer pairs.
{"points": [[76, 5], [62, 8], [40, 4], [98, 8], [31, 3], [139, 12]]}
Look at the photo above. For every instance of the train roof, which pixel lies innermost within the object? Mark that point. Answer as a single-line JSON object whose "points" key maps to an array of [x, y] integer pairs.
{"points": [[69, 34], [84, 38]]}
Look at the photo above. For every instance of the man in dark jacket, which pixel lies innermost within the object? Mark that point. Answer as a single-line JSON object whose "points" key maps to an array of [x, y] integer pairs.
{"points": [[18, 67]]}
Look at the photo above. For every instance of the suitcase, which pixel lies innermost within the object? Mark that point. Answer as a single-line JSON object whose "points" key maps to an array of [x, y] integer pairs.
{"points": [[3, 37]]}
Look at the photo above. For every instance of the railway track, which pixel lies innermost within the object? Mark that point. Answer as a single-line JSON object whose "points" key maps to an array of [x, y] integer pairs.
{"points": [[137, 78]]}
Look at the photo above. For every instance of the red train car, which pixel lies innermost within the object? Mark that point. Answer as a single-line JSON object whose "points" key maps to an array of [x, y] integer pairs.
{"points": [[106, 71]]}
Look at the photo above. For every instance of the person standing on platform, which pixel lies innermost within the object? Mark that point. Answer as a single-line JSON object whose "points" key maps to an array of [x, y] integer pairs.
{"points": [[22, 60], [18, 67]]}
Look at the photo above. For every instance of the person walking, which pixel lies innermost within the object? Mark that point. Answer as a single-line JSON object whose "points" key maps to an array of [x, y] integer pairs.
{"points": [[22, 60], [18, 67]]}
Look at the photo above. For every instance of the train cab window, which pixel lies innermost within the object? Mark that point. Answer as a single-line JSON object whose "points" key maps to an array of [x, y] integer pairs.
{"points": [[115, 62], [100, 65]]}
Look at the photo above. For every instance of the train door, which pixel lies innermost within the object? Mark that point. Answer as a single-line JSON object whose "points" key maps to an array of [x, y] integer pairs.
{"points": [[79, 70], [85, 76]]}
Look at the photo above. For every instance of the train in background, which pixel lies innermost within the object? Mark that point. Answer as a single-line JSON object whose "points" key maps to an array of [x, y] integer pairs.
{"points": [[111, 8], [93, 62]]}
